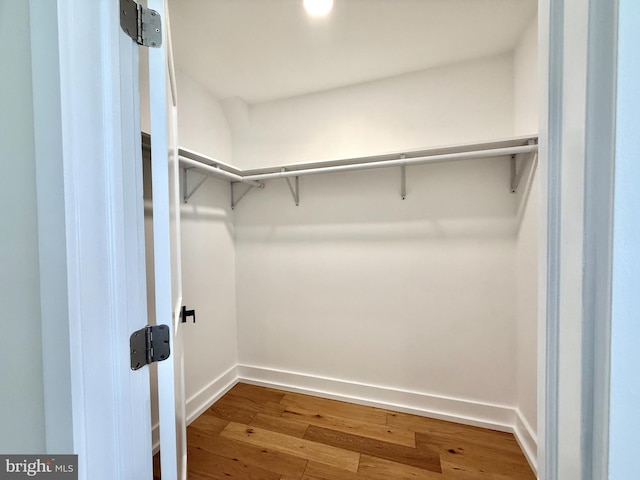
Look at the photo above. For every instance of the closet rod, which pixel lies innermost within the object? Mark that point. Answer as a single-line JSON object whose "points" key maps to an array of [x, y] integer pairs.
{"points": [[496, 152], [187, 162]]}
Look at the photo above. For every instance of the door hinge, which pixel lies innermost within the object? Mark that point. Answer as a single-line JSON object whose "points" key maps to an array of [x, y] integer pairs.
{"points": [[142, 24], [149, 344]]}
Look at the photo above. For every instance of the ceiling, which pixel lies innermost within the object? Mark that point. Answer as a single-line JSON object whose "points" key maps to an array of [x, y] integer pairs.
{"points": [[262, 50]]}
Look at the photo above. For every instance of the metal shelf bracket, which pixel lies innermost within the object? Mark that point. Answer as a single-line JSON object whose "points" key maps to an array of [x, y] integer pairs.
{"points": [[294, 187], [187, 194], [403, 179], [235, 197], [519, 164]]}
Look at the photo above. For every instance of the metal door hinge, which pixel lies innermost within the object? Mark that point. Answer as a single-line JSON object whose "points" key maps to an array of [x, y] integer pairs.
{"points": [[142, 24], [148, 345]]}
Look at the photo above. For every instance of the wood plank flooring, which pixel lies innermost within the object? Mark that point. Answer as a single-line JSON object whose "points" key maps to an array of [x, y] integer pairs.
{"points": [[257, 433]]}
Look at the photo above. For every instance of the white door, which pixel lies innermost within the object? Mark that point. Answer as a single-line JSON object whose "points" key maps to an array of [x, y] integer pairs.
{"points": [[166, 238]]}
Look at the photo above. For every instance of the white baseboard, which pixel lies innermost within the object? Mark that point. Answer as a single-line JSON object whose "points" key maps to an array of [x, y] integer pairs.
{"points": [[202, 400], [526, 439], [479, 414], [210, 394]]}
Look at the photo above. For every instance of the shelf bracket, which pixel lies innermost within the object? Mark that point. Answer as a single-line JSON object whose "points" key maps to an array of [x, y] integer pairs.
{"points": [[186, 194], [515, 178], [403, 179], [236, 197], [294, 187], [519, 165]]}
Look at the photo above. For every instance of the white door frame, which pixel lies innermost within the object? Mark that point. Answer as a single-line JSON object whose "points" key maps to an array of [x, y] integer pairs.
{"points": [[625, 328], [578, 158], [111, 426], [87, 124]]}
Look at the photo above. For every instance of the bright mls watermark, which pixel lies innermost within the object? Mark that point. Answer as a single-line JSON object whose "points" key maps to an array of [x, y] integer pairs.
{"points": [[51, 467]]}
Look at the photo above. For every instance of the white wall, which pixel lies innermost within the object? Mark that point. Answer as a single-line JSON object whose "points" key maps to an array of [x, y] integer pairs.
{"points": [[208, 284], [526, 272], [202, 123], [356, 284], [526, 101], [458, 103], [21, 400], [526, 82]]}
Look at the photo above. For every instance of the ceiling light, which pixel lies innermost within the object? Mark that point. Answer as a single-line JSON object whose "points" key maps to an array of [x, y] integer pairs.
{"points": [[318, 8]]}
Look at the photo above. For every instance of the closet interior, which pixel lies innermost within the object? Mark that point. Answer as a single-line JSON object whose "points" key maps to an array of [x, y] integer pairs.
{"points": [[359, 215]]}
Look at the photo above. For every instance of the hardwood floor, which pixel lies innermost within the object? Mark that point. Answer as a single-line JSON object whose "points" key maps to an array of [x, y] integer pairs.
{"points": [[257, 433]]}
